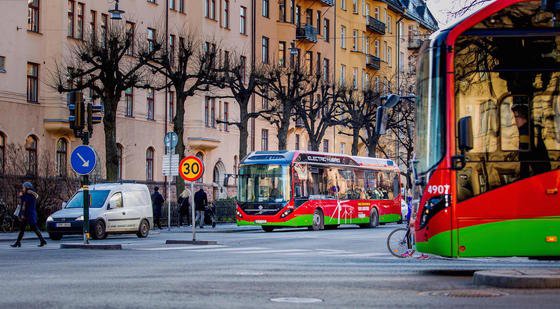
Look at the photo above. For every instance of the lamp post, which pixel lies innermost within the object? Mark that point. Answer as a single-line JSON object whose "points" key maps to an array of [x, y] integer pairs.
{"points": [[116, 13]]}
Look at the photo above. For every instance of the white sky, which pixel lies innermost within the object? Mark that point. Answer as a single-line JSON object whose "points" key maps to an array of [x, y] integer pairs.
{"points": [[440, 9]]}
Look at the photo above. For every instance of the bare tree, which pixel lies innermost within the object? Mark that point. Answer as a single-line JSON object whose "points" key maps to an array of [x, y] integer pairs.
{"points": [[189, 70], [287, 87], [318, 112], [107, 65], [243, 84]]}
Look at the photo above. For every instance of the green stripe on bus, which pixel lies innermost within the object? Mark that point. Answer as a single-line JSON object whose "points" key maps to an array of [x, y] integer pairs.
{"points": [[389, 218]]}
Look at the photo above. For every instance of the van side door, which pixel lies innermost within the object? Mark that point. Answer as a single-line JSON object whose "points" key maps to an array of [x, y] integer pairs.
{"points": [[116, 213]]}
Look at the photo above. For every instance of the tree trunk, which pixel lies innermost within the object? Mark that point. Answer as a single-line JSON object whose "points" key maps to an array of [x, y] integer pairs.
{"points": [[110, 127], [314, 144], [372, 147], [283, 136], [179, 129], [355, 141], [243, 129]]}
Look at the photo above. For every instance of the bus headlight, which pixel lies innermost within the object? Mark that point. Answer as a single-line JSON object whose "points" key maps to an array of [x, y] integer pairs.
{"points": [[286, 213], [432, 207], [239, 214]]}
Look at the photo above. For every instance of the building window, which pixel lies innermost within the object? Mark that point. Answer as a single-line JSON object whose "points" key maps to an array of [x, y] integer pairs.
{"points": [[32, 82], [150, 164], [2, 153], [2, 64], [298, 16], [226, 116], [319, 16], [71, 5], [200, 156], [33, 13], [282, 54], [129, 28], [171, 112], [326, 74], [243, 65], [297, 142], [213, 113], [243, 20], [264, 139], [172, 4], [389, 24], [80, 21], [264, 49], [325, 145], [182, 6], [210, 9], [343, 37], [152, 1], [104, 20], [150, 101], [355, 6], [342, 147], [282, 11], [343, 4], [389, 56], [225, 18], [265, 8], [210, 112], [326, 30], [129, 99], [171, 49], [151, 39], [93, 24], [376, 46], [207, 112], [265, 99], [376, 13], [342, 74], [61, 157], [355, 78], [309, 62], [31, 152], [119, 161], [292, 11], [355, 40], [377, 84]]}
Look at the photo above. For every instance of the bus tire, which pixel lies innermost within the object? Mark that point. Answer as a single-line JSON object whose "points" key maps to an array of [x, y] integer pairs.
{"points": [[267, 229], [374, 218], [318, 220]]}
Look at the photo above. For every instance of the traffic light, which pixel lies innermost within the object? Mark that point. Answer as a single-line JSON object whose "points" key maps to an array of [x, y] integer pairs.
{"points": [[94, 116], [76, 108]]}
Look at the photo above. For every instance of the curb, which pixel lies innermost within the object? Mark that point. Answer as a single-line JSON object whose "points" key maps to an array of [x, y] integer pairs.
{"points": [[91, 246], [519, 278], [191, 242]]}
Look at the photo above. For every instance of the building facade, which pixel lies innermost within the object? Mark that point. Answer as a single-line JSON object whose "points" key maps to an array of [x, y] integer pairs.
{"points": [[349, 41]]}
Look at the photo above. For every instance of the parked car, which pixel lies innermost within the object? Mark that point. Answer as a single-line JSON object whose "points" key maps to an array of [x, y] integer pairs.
{"points": [[115, 208]]}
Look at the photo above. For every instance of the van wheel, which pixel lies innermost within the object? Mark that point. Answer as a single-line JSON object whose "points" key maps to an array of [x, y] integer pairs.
{"points": [[267, 229], [143, 229], [99, 230], [318, 220], [55, 236]]}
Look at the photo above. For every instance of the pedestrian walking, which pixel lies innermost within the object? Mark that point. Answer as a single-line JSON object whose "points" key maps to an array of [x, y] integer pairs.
{"points": [[200, 203], [157, 203], [28, 214], [184, 206]]}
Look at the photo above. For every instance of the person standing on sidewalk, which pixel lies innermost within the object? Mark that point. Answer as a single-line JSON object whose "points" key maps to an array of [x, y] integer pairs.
{"points": [[28, 214], [200, 202], [184, 206], [157, 203]]}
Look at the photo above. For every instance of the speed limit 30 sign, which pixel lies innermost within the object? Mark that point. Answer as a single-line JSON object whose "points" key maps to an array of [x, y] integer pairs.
{"points": [[191, 168]]}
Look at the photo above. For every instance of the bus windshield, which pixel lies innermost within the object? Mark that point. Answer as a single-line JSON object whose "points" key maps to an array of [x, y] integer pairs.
{"points": [[430, 112], [264, 183], [97, 199]]}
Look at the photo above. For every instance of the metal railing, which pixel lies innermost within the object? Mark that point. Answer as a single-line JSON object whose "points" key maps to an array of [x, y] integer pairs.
{"points": [[415, 42], [307, 33], [373, 62], [327, 2], [375, 25]]}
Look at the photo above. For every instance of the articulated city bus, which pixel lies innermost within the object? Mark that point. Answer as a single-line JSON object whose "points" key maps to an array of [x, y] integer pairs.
{"points": [[488, 134], [316, 190]]}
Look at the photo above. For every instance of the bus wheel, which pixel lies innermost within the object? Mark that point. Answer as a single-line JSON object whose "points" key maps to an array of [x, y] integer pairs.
{"points": [[267, 228], [318, 220], [374, 218]]}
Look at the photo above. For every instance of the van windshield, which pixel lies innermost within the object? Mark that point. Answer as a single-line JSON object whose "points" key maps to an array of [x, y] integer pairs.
{"points": [[96, 199]]}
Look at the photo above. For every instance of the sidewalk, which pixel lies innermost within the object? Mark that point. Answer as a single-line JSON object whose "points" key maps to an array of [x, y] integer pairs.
{"points": [[519, 278], [220, 228]]}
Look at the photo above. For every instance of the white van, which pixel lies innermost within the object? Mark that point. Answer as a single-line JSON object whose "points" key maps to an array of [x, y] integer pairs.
{"points": [[115, 208]]}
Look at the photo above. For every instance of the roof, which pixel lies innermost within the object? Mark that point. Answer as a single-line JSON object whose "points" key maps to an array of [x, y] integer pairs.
{"points": [[418, 11], [111, 186]]}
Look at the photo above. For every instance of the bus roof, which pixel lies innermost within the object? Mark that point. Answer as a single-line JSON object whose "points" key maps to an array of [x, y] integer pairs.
{"points": [[289, 157]]}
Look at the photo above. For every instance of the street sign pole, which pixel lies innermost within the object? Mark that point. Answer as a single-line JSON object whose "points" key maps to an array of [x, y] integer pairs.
{"points": [[170, 140], [192, 212], [85, 186], [169, 192]]}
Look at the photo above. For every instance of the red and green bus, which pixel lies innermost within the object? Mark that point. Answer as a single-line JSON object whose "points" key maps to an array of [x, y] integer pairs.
{"points": [[488, 134], [316, 190]]}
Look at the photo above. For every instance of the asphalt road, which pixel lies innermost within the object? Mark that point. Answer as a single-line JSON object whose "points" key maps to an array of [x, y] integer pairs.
{"points": [[345, 268]]}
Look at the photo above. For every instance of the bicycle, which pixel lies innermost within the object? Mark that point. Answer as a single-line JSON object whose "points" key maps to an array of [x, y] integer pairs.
{"points": [[399, 242], [7, 220]]}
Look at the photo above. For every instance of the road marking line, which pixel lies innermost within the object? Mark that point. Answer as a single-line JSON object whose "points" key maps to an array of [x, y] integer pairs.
{"points": [[175, 248]]}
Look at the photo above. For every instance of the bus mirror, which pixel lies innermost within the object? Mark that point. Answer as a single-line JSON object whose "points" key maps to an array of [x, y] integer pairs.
{"points": [[465, 134], [381, 121]]}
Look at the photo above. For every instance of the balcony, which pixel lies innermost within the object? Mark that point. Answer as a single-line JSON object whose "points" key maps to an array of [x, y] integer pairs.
{"points": [[307, 33], [327, 2], [375, 25], [373, 62], [415, 42]]}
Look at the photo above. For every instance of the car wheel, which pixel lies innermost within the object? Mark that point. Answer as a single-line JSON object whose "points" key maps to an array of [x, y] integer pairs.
{"points": [[143, 229], [267, 229], [374, 218], [318, 220], [99, 230], [55, 236]]}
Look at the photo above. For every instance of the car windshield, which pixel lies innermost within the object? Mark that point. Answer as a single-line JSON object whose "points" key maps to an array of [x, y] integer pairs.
{"points": [[96, 199], [264, 183]]}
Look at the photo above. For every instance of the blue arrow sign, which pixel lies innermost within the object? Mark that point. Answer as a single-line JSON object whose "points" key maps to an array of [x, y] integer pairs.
{"points": [[171, 139], [83, 160]]}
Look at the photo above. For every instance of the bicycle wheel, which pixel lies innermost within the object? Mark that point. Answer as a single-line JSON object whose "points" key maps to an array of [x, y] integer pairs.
{"points": [[398, 242], [7, 224]]}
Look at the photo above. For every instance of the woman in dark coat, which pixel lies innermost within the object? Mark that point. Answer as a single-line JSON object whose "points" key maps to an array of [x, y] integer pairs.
{"points": [[28, 214]]}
